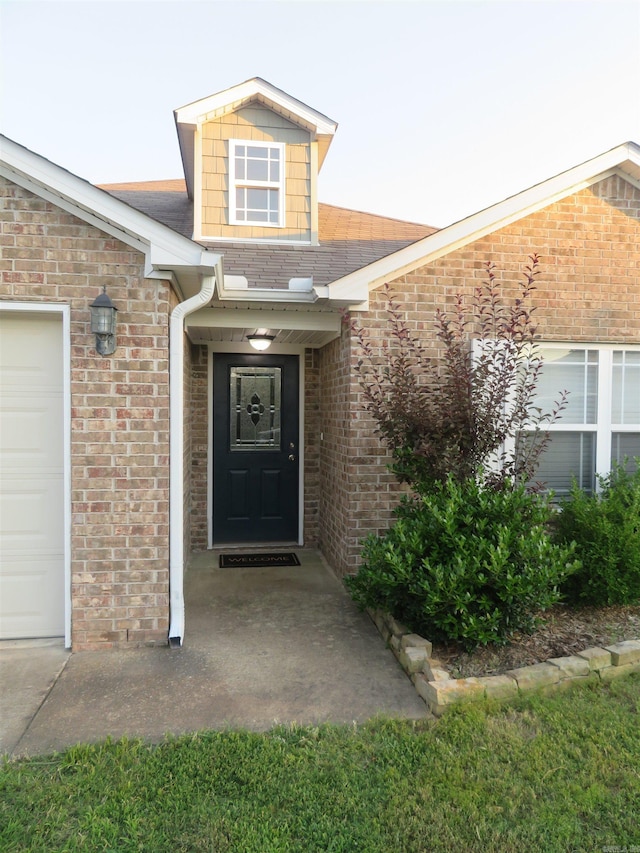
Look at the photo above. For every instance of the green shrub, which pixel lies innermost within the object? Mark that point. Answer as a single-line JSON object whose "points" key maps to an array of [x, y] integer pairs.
{"points": [[465, 563], [606, 529]]}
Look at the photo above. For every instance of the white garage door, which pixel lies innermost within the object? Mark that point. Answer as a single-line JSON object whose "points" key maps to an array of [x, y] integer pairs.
{"points": [[31, 475]]}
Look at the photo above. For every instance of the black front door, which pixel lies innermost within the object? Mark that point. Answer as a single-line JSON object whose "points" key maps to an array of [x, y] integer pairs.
{"points": [[255, 448]]}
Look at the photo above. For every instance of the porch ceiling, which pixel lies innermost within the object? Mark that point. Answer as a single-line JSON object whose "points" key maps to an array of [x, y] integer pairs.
{"points": [[291, 327]]}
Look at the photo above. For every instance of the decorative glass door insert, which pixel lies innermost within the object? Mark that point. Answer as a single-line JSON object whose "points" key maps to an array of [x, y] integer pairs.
{"points": [[255, 402]]}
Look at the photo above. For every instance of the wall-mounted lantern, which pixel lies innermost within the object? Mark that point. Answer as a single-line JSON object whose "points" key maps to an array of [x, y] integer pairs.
{"points": [[103, 323], [259, 341]]}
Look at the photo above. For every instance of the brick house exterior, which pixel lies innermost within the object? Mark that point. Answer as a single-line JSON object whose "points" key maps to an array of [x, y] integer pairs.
{"points": [[588, 293], [134, 482]]}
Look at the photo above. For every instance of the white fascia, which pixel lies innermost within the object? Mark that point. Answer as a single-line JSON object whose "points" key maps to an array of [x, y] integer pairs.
{"points": [[237, 290], [623, 160], [163, 248], [265, 241], [233, 98]]}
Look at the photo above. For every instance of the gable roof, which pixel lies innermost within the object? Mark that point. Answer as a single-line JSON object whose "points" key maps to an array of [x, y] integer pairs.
{"points": [[359, 252], [166, 252], [624, 160], [349, 239], [255, 90]]}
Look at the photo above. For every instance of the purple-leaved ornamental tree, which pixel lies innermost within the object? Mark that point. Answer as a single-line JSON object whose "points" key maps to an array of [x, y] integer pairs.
{"points": [[471, 413]]}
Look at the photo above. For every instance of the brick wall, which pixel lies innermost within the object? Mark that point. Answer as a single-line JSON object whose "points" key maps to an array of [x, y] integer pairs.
{"points": [[199, 419], [588, 291], [357, 492], [335, 537], [312, 427], [120, 416]]}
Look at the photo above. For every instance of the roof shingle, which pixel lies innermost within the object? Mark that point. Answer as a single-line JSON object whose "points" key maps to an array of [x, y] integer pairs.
{"points": [[349, 239]]}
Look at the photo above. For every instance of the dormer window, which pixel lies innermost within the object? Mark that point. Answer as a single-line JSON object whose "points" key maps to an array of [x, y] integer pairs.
{"points": [[256, 183]]}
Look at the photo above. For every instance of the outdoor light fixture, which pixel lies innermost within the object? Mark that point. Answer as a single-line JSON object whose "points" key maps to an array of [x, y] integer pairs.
{"points": [[260, 342], [103, 323]]}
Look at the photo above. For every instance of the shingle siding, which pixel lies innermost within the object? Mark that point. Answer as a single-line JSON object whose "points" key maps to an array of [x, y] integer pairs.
{"points": [[258, 125]]}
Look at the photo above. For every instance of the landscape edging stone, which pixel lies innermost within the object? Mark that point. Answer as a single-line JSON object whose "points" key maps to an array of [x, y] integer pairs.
{"points": [[440, 690]]}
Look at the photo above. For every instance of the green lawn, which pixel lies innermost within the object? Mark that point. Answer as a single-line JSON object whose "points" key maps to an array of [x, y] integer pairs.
{"points": [[546, 773]]}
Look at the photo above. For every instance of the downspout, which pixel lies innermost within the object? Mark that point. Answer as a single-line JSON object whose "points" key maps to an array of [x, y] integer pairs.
{"points": [[176, 450]]}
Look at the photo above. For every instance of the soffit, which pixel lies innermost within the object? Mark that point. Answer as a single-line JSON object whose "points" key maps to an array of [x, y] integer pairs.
{"points": [[306, 326], [283, 337]]}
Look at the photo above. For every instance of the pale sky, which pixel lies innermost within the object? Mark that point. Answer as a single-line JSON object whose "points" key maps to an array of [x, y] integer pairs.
{"points": [[443, 108]]}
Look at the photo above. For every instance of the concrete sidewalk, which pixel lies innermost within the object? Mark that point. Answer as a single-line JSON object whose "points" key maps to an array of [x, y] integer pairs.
{"points": [[262, 646]]}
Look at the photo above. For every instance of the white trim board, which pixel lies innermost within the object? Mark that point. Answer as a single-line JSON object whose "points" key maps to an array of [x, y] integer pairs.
{"points": [[623, 161], [163, 248], [65, 311], [239, 318], [256, 88]]}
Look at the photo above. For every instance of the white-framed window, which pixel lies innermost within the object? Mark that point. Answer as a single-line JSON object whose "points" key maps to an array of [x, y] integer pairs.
{"points": [[256, 183], [601, 423]]}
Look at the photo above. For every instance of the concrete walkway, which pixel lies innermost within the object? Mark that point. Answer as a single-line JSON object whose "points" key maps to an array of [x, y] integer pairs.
{"points": [[262, 646]]}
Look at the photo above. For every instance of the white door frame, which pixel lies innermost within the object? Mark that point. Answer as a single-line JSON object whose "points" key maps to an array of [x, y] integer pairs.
{"points": [[65, 311], [247, 349]]}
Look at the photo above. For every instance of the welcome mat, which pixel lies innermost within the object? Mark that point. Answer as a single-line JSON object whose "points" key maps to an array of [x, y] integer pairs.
{"points": [[243, 561]]}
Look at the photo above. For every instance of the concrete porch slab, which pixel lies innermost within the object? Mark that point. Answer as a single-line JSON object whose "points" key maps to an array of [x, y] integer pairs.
{"points": [[28, 671], [262, 646]]}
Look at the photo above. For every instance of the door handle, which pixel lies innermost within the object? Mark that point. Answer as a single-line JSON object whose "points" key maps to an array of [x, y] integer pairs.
{"points": [[292, 458]]}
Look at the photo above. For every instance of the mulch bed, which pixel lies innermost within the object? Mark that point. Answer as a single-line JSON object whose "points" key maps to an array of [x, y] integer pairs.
{"points": [[566, 631]]}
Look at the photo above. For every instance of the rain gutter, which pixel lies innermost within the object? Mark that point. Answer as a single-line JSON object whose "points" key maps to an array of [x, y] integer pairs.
{"points": [[176, 450]]}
